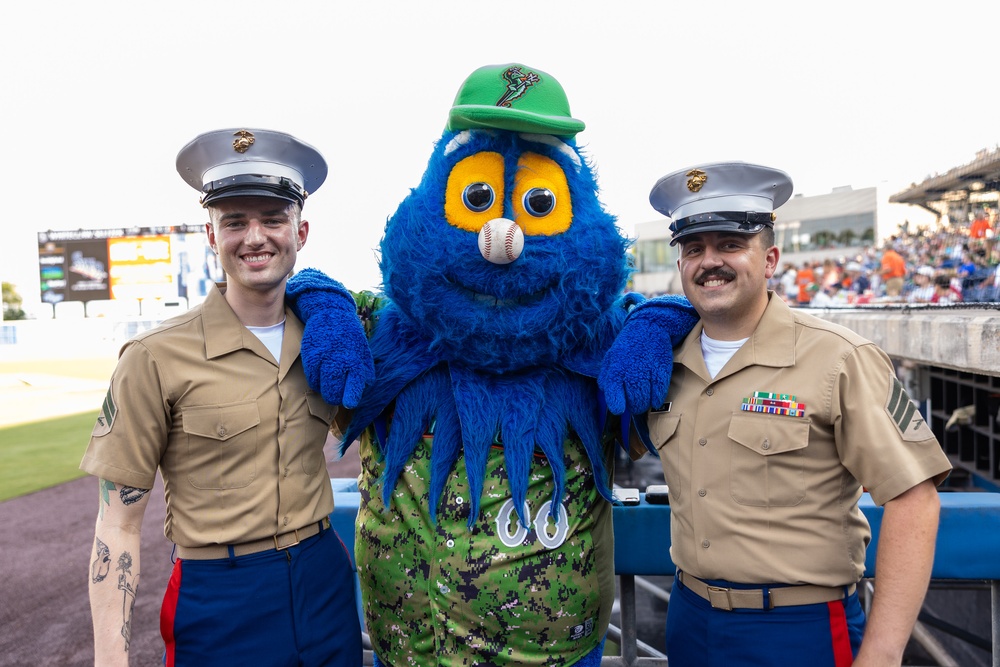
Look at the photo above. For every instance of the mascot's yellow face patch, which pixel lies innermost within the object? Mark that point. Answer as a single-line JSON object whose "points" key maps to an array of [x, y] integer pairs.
{"points": [[538, 173], [541, 199], [474, 195]]}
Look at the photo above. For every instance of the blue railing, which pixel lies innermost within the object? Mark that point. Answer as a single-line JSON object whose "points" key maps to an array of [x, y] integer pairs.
{"points": [[968, 549]]}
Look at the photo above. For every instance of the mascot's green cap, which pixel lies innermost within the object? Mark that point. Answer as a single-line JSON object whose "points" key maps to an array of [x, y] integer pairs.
{"points": [[513, 97]]}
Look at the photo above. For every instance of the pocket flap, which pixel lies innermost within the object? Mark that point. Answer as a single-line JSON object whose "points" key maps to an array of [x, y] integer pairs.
{"points": [[319, 408], [221, 422], [769, 435], [662, 427]]}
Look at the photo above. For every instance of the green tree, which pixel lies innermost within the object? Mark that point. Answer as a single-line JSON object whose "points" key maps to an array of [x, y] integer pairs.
{"points": [[12, 303]]}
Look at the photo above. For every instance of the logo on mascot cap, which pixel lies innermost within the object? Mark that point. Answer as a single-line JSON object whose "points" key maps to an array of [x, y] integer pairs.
{"points": [[513, 97]]}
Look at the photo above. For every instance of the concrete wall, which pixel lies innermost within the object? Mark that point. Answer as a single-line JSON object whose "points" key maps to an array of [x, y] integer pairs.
{"points": [[966, 339]]}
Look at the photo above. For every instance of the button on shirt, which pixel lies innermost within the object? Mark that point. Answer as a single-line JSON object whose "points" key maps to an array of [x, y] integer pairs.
{"points": [[767, 498], [237, 437]]}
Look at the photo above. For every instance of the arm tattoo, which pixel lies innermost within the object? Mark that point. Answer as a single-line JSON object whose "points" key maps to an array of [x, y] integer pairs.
{"points": [[130, 494], [102, 562], [105, 487], [129, 585]]}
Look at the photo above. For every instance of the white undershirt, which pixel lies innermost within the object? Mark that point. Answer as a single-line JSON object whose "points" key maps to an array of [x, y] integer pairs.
{"points": [[271, 337], [718, 352]]}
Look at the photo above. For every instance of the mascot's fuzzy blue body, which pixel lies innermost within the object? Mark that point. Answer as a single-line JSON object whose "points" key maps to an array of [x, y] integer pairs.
{"points": [[513, 347], [486, 395]]}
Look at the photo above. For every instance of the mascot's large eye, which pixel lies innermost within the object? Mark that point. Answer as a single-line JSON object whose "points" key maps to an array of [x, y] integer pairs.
{"points": [[539, 202], [478, 197], [542, 204], [474, 194]]}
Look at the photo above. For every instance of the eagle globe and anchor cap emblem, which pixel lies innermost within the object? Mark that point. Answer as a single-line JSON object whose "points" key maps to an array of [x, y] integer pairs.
{"points": [[243, 141], [696, 179]]}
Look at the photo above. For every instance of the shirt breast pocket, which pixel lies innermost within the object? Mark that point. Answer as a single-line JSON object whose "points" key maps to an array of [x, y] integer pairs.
{"points": [[674, 458], [766, 466], [222, 445], [321, 417]]}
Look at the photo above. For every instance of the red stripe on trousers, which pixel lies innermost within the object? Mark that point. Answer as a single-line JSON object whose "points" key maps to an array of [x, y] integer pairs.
{"points": [[839, 637], [168, 612]]}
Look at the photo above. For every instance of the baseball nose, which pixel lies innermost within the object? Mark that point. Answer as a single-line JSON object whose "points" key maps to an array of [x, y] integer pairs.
{"points": [[501, 241]]}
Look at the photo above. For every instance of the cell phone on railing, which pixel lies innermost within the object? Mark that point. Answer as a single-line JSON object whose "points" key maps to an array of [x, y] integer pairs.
{"points": [[627, 496], [657, 494]]}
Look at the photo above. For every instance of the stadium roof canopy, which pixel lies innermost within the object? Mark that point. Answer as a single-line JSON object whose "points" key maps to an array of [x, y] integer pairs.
{"points": [[980, 175]]}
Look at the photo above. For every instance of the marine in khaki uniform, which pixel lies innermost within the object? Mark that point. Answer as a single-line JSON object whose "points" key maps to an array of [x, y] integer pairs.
{"points": [[216, 400], [774, 423]]}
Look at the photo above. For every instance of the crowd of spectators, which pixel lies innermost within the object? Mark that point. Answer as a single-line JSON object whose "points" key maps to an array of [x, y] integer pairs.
{"points": [[945, 266]]}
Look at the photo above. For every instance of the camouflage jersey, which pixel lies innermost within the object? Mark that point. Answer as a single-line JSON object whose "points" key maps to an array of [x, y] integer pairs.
{"points": [[499, 593]]}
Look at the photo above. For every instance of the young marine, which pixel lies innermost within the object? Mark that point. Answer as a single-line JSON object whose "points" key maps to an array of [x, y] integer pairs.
{"points": [[216, 400]]}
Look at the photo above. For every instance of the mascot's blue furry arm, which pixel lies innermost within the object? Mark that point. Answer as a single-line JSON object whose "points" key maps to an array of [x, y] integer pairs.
{"points": [[335, 353], [635, 374]]}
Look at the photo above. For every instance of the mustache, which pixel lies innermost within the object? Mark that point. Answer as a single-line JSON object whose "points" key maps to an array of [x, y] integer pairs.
{"points": [[721, 274]]}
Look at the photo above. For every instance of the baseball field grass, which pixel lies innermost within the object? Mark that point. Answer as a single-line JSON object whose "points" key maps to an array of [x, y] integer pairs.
{"points": [[42, 454], [46, 449]]}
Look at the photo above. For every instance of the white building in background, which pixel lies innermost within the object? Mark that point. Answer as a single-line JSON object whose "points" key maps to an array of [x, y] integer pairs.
{"points": [[842, 223]]}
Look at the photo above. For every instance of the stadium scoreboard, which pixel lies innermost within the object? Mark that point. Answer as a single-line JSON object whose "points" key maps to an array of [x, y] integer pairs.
{"points": [[125, 263]]}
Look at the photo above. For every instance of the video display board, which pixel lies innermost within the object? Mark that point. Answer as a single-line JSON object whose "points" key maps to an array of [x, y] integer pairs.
{"points": [[125, 263]]}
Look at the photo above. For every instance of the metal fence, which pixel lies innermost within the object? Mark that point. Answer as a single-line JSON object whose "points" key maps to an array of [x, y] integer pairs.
{"points": [[967, 554]]}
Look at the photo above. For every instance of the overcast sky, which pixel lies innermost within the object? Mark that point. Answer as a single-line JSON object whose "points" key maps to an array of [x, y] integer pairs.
{"points": [[98, 97]]}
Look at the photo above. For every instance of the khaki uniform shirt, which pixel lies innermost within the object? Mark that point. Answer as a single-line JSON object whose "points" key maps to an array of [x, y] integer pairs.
{"points": [[773, 498], [238, 437]]}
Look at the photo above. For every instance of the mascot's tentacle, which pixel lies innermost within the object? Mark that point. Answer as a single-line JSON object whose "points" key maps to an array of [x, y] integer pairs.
{"points": [[400, 356], [446, 449], [518, 420], [415, 409], [584, 420], [478, 415], [550, 436]]}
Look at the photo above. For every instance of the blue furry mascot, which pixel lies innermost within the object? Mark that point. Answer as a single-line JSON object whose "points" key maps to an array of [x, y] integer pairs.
{"points": [[484, 534]]}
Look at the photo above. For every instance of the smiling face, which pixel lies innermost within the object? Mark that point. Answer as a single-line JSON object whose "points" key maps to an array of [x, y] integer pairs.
{"points": [[503, 316], [724, 275], [257, 240]]}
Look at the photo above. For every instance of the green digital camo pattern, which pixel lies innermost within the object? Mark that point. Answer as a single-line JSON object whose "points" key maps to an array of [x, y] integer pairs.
{"points": [[367, 304], [450, 595]]}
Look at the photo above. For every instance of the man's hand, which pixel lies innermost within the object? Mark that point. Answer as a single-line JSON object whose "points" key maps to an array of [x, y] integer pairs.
{"points": [[335, 353]]}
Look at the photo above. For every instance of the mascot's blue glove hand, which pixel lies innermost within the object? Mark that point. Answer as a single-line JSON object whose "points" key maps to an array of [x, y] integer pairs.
{"points": [[635, 373], [335, 353]]}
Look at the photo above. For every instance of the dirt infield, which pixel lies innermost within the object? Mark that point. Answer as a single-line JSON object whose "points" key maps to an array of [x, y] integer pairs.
{"points": [[46, 542]]}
